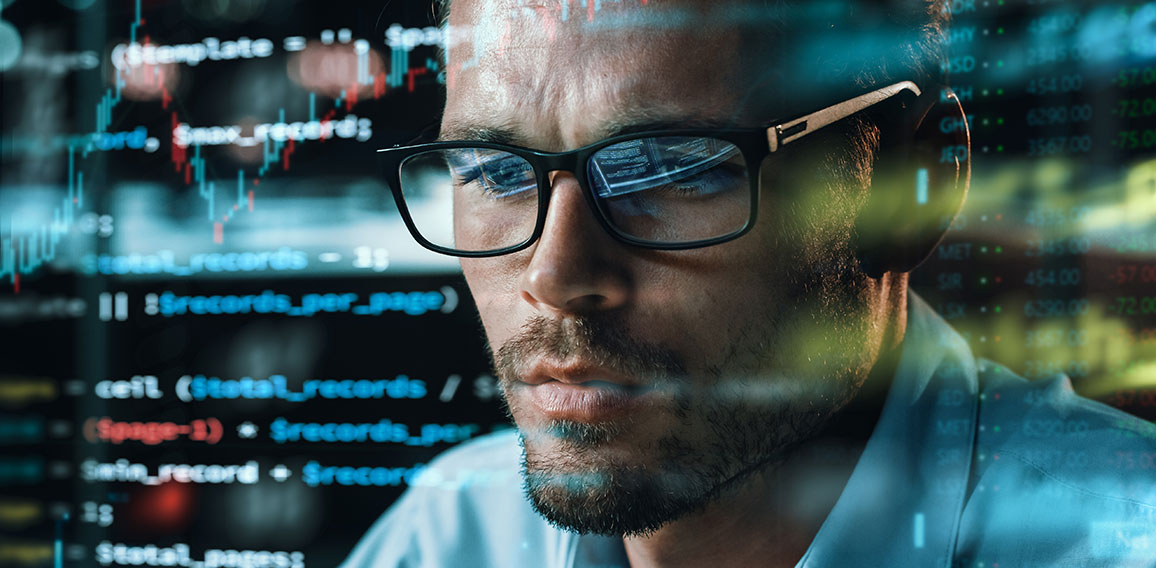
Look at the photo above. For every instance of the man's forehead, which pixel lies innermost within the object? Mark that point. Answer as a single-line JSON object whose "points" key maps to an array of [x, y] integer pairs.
{"points": [[485, 30], [547, 81], [595, 15]]}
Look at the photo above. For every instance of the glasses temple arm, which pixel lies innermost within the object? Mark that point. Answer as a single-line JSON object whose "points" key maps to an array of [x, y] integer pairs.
{"points": [[787, 132]]}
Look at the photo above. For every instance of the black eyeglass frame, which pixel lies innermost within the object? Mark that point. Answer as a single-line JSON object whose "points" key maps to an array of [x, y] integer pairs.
{"points": [[755, 144]]}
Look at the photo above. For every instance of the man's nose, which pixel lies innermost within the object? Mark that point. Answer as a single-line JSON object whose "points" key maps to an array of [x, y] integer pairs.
{"points": [[576, 266]]}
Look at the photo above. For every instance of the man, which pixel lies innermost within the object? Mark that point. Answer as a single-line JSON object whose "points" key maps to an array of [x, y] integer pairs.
{"points": [[699, 314]]}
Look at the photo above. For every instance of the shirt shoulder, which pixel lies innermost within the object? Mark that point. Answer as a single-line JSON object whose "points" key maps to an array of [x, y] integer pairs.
{"points": [[466, 508], [1045, 425], [1057, 477]]}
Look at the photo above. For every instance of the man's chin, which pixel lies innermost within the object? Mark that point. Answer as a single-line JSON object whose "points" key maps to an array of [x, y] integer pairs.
{"points": [[591, 487], [573, 436], [606, 502]]}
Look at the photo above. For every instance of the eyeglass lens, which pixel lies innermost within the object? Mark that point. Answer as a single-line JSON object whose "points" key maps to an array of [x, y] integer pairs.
{"points": [[672, 189], [664, 190]]}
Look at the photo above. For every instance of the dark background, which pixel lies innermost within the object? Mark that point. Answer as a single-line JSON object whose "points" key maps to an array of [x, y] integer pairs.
{"points": [[1050, 268]]}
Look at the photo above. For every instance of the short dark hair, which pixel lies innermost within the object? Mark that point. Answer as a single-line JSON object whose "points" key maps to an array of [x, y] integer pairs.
{"points": [[875, 42], [928, 52]]}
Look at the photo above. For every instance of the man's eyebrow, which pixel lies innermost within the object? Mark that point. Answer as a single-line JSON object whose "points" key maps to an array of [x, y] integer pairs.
{"points": [[645, 122], [627, 123], [495, 135]]}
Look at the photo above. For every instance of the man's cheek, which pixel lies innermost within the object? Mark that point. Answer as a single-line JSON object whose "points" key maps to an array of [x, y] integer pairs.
{"points": [[494, 306], [499, 326]]}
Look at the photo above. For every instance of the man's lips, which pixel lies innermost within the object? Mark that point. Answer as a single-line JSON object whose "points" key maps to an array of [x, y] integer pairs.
{"points": [[583, 393], [578, 373]]}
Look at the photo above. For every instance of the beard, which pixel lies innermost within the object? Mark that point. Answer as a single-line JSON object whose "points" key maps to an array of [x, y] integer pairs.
{"points": [[729, 420]]}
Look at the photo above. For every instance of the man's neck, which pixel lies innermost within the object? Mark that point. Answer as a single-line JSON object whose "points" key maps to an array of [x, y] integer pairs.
{"points": [[749, 528]]}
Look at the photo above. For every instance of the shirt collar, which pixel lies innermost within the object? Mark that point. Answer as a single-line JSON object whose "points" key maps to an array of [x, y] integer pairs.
{"points": [[904, 500]]}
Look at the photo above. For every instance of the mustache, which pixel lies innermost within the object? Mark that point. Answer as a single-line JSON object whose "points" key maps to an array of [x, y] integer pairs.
{"points": [[601, 341]]}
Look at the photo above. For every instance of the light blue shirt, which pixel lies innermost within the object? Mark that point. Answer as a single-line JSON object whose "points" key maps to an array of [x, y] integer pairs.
{"points": [[969, 465]]}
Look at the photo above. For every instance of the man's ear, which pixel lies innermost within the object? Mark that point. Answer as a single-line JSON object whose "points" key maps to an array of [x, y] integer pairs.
{"points": [[918, 184]]}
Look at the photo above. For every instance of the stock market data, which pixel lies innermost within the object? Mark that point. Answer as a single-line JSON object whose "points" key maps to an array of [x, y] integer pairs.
{"points": [[221, 347]]}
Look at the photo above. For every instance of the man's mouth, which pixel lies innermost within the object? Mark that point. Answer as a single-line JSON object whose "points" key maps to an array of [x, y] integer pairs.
{"points": [[583, 393]]}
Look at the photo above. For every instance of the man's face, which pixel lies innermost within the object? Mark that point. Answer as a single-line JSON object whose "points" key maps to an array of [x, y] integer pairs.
{"points": [[646, 384]]}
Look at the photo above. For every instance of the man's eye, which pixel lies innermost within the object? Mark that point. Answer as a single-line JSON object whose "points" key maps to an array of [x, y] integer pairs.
{"points": [[494, 182], [669, 167], [721, 178], [466, 176], [718, 179]]}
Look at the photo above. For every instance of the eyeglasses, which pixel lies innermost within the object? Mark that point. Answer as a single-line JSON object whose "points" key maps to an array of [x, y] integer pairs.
{"points": [[667, 190]]}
